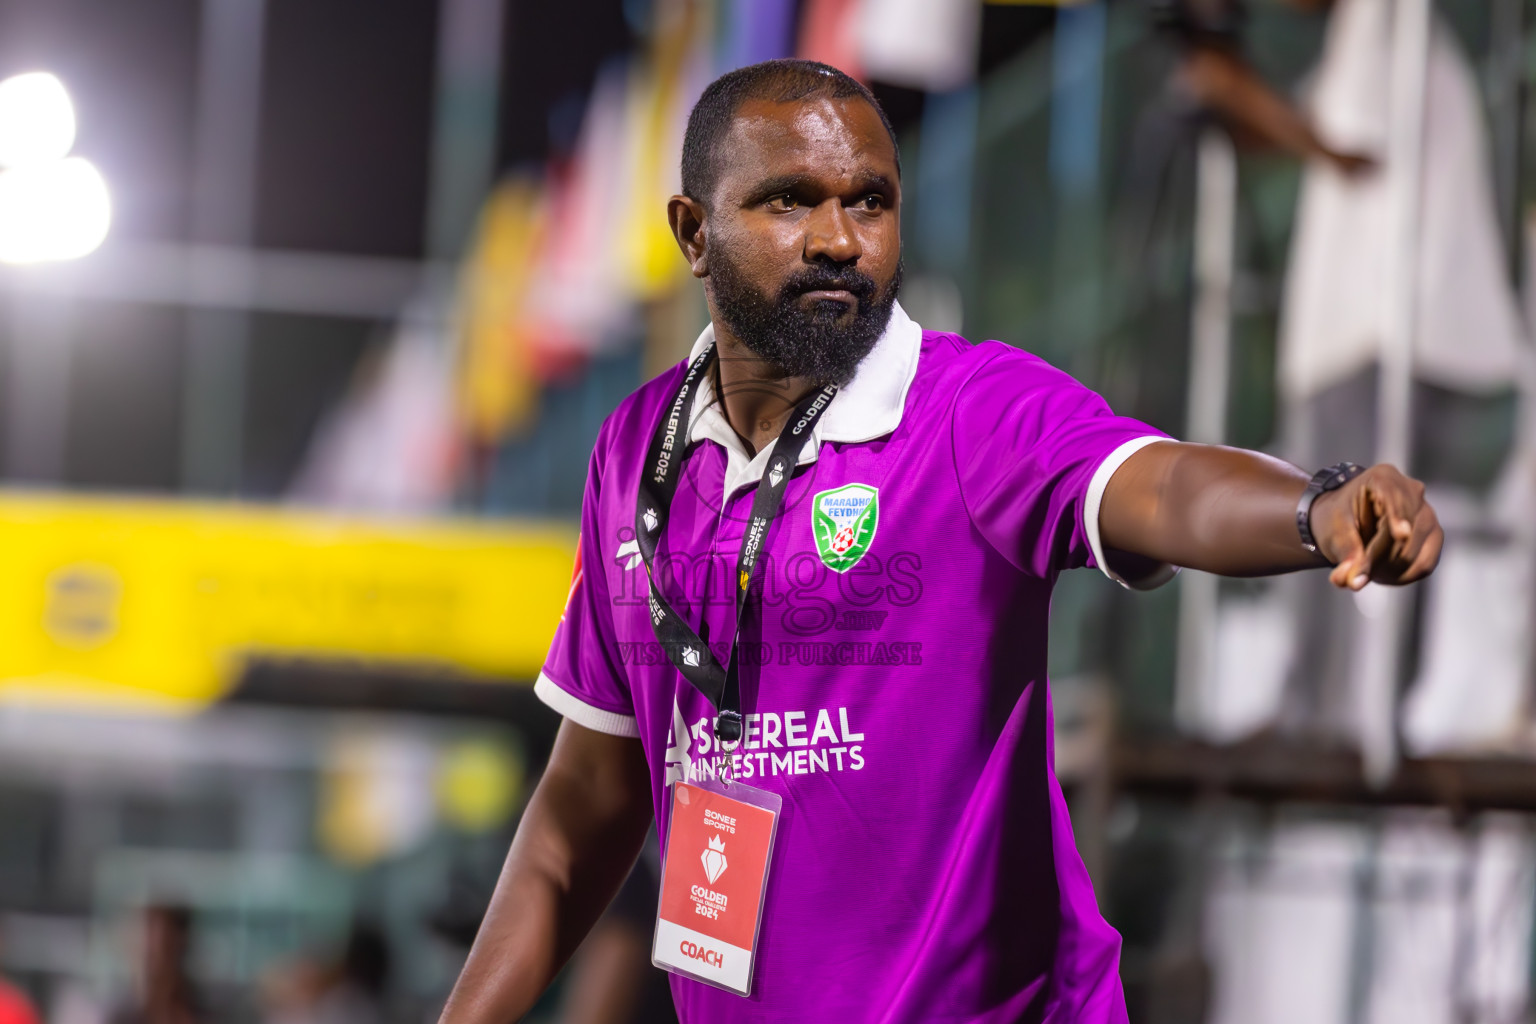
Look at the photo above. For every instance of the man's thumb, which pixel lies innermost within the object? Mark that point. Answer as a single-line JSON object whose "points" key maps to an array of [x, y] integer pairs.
{"points": [[1350, 564]]}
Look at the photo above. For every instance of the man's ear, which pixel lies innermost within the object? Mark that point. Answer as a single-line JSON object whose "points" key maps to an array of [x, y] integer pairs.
{"points": [[687, 219]]}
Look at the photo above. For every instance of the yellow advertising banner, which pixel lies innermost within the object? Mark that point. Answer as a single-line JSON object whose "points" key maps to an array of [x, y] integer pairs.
{"points": [[127, 601]]}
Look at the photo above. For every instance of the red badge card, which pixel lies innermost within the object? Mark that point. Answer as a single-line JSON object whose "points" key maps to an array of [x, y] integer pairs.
{"points": [[719, 844]]}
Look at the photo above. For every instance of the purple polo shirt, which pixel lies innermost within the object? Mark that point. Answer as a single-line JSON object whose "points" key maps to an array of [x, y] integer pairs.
{"points": [[893, 675]]}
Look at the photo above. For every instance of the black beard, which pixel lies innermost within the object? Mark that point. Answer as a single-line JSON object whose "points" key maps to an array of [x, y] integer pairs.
{"points": [[807, 343]]}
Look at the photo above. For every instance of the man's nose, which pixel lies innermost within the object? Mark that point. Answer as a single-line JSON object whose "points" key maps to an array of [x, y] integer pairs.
{"points": [[829, 235]]}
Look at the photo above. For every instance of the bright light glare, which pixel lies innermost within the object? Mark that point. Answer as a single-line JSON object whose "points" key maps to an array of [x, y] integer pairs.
{"points": [[56, 211], [37, 121]]}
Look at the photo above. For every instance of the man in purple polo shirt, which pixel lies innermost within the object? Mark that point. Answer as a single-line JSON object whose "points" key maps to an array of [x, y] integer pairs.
{"points": [[892, 647]]}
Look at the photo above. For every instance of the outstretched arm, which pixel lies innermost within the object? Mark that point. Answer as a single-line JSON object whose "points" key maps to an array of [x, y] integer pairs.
{"points": [[1233, 512], [1220, 80], [578, 839]]}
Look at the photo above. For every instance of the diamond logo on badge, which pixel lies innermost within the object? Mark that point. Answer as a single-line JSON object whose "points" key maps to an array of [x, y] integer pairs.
{"points": [[714, 860], [650, 519], [776, 474], [691, 657]]}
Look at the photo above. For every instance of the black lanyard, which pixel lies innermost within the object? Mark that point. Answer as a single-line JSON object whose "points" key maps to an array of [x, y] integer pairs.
{"points": [[658, 485]]}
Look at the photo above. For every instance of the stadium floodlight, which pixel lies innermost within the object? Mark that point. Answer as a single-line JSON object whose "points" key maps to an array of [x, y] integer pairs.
{"points": [[52, 206], [52, 211], [37, 120]]}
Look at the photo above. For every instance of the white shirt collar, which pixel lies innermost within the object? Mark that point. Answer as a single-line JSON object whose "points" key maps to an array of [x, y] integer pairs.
{"points": [[867, 407]]}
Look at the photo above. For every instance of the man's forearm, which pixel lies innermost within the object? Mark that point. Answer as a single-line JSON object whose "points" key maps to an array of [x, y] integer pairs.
{"points": [[1233, 512], [577, 841], [515, 954], [1221, 510], [1224, 82]]}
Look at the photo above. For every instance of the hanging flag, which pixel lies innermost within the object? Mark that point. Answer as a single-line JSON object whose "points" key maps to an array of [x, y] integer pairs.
{"points": [[662, 92], [497, 388], [755, 30], [922, 44], [392, 443], [829, 32], [578, 302]]}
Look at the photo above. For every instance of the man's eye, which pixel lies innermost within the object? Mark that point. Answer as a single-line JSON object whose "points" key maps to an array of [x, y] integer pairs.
{"points": [[782, 203], [871, 203]]}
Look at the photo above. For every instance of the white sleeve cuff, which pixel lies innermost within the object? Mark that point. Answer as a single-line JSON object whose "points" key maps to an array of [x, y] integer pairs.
{"points": [[1095, 499], [582, 713]]}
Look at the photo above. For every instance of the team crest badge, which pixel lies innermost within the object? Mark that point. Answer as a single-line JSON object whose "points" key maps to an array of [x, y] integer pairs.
{"points": [[843, 521]]}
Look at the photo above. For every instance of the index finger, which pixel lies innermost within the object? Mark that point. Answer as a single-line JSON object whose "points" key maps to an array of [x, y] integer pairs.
{"points": [[1377, 553], [1429, 552]]}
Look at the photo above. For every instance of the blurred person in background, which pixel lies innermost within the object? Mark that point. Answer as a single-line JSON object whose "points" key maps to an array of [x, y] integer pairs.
{"points": [[929, 872], [1212, 80], [1468, 345], [348, 990], [1214, 77], [1468, 337], [166, 993]]}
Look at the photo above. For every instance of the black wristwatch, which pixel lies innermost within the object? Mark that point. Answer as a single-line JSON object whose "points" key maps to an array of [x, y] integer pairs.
{"points": [[1323, 481]]}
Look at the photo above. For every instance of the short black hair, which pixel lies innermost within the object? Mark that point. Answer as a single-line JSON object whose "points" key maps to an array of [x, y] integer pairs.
{"points": [[776, 81]]}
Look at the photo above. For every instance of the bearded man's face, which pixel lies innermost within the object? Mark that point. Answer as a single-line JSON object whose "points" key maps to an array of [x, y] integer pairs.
{"points": [[803, 237], [814, 338]]}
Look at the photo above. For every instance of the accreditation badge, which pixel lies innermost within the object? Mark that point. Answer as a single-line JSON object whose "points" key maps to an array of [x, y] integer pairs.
{"points": [[713, 877]]}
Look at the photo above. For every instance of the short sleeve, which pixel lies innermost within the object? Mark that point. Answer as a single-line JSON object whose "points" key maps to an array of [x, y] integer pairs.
{"points": [[582, 677], [1034, 451]]}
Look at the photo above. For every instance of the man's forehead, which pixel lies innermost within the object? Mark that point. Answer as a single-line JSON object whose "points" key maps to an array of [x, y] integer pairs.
{"points": [[814, 134]]}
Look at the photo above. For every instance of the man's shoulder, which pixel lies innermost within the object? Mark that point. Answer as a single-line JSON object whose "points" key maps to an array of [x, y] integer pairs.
{"points": [[651, 396], [633, 419], [952, 362]]}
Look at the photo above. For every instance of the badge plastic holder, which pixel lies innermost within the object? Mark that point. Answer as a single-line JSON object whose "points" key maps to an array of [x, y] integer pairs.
{"points": [[707, 923]]}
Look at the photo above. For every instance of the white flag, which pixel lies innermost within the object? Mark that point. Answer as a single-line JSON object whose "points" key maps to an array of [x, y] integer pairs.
{"points": [[923, 44]]}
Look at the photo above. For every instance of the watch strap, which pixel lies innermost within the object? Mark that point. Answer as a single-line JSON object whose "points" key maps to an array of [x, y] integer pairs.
{"points": [[1330, 478]]}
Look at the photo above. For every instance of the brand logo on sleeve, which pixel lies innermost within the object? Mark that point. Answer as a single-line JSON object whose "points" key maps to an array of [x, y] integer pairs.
{"points": [[629, 555], [843, 522]]}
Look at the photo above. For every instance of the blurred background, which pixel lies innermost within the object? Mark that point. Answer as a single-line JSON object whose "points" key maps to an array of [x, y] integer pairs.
{"points": [[310, 312]]}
